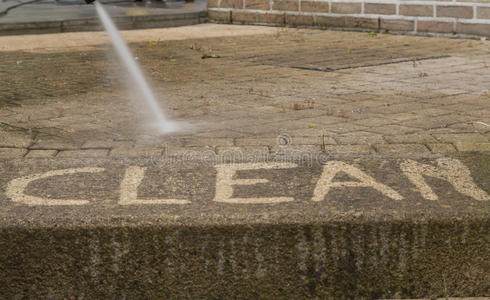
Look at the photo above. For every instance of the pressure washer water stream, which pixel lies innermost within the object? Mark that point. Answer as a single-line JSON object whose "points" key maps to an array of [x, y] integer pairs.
{"points": [[164, 125]]}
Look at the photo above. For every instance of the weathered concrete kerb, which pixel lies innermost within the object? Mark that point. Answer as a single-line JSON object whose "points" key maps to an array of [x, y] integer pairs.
{"points": [[329, 227]]}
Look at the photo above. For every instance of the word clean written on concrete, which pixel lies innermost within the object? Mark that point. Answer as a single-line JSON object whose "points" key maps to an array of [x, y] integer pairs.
{"points": [[448, 169]]}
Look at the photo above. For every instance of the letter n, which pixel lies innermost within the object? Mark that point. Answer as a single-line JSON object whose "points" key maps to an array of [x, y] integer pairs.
{"points": [[451, 170]]}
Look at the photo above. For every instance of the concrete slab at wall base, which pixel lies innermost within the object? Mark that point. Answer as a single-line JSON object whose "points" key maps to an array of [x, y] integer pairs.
{"points": [[123, 23], [351, 227]]}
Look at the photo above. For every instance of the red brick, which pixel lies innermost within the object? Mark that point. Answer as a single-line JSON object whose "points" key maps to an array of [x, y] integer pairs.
{"points": [[483, 12], [346, 8], [299, 20], [417, 10], [462, 12], [257, 4], [325, 21], [476, 29], [212, 3], [243, 17], [397, 25], [231, 4], [314, 6], [285, 5], [219, 16], [379, 8], [354, 22], [434, 26], [271, 18]]}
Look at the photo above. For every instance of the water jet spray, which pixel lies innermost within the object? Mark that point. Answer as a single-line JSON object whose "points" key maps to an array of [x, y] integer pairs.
{"points": [[164, 125]]}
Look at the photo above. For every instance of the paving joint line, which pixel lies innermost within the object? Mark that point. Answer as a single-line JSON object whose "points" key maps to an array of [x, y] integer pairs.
{"points": [[327, 70]]}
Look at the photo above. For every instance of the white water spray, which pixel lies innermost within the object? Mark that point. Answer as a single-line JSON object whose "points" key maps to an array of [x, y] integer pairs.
{"points": [[163, 123]]}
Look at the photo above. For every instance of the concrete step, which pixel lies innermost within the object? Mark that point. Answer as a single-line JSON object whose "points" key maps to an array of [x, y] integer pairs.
{"points": [[314, 226]]}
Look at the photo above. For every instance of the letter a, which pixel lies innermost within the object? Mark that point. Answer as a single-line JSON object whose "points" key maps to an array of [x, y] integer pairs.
{"points": [[333, 167]]}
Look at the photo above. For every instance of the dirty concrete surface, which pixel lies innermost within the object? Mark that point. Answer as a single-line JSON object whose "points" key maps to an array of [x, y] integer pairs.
{"points": [[190, 192]]}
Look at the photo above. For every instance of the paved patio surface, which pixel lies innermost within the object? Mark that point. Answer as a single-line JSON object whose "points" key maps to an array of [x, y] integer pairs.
{"points": [[335, 92]]}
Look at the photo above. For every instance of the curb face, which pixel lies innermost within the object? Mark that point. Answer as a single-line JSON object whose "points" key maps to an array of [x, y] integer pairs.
{"points": [[338, 260]]}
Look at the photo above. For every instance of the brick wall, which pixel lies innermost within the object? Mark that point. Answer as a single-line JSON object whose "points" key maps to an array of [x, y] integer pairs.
{"points": [[462, 17]]}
